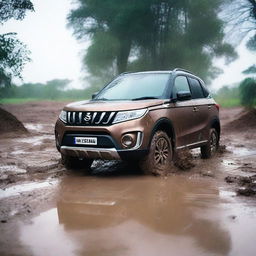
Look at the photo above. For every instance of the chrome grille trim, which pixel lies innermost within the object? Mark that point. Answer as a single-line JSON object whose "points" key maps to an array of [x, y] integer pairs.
{"points": [[93, 117], [101, 117], [90, 118], [110, 116]]}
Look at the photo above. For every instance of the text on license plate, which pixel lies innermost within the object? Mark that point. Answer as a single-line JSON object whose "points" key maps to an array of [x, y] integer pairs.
{"points": [[85, 141]]}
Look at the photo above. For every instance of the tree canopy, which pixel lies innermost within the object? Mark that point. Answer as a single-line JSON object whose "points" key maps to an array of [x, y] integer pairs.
{"points": [[15, 9], [150, 34], [250, 70], [13, 53]]}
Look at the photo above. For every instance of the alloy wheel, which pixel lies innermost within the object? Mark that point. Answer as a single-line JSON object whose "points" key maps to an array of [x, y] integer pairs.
{"points": [[214, 142], [161, 151]]}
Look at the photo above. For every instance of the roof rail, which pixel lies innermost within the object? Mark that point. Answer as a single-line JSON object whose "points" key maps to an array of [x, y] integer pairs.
{"points": [[182, 69], [124, 73]]}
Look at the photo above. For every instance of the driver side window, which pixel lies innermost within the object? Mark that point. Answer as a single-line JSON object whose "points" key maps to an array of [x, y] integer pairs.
{"points": [[180, 84]]}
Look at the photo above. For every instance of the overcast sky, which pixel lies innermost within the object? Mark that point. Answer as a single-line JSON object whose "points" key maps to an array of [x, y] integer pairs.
{"points": [[55, 52]]}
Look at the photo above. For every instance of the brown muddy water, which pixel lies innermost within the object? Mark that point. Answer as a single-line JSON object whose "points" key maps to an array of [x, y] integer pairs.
{"points": [[48, 210], [142, 215]]}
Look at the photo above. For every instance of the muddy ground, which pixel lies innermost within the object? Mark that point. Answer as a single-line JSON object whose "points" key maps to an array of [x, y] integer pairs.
{"points": [[45, 209]]}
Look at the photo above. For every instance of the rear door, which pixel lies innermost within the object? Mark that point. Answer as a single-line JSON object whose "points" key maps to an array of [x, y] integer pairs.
{"points": [[201, 109]]}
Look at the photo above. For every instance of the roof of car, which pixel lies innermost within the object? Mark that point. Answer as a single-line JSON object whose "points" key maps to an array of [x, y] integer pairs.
{"points": [[161, 72], [176, 70], [149, 72]]}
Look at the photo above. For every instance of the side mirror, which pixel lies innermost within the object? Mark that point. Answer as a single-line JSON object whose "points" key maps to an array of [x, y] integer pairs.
{"points": [[183, 95], [94, 95]]}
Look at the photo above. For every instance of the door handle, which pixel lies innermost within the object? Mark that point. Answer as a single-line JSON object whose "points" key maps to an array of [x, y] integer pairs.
{"points": [[195, 109]]}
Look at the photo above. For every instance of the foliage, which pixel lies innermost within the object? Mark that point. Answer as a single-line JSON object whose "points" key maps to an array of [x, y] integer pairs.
{"points": [[13, 53], [241, 15], [14, 9], [13, 56], [248, 92], [150, 34], [251, 44], [52, 90], [250, 70]]}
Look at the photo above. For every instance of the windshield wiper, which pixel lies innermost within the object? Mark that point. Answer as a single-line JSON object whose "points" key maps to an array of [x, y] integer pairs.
{"points": [[145, 98], [103, 99]]}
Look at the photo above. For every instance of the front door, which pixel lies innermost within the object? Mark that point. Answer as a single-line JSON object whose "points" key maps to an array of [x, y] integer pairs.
{"points": [[184, 114]]}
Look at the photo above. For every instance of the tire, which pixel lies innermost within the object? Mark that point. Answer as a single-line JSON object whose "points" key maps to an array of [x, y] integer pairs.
{"points": [[71, 162], [208, 150], [159, 159]]}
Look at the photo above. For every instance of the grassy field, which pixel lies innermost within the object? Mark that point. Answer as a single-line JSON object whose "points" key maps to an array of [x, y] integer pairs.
{"points": [[228, 103], [17, 100], [24, 100]]}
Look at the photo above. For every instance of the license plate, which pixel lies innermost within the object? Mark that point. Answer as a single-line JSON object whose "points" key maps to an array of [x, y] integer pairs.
{"points": [[85, 141]]}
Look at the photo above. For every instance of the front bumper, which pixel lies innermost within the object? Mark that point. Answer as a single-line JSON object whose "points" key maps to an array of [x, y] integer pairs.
{"points": [[103, 153], [93, 153], [109, 138]]}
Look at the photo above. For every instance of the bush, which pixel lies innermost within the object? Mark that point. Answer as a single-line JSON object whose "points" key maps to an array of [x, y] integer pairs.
{"points": [[248, 92]]}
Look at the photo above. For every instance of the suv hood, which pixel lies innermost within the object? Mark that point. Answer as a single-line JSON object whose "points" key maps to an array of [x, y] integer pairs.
{"points": [[112, 105]]}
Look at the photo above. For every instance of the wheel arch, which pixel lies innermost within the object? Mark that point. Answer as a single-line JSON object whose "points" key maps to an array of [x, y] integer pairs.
{"points": [[215, 123], [165, 125]]}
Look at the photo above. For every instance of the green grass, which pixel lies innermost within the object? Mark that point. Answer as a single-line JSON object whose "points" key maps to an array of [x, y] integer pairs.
{"points": [[25, 100], [228, 103], [16, 100]]}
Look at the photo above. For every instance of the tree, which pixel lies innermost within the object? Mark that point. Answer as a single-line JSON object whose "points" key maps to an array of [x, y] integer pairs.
{"points": [[150, 34], [250, 70], [13, 56], [14, 9], [13, 53], [248, 92], [241, 15]]}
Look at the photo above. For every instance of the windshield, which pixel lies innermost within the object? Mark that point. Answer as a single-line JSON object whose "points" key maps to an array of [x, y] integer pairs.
{"points": [[136, 87]]}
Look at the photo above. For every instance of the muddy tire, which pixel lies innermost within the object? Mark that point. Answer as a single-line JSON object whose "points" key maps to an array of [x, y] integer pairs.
{"points": [[76, 163], [208, 150], [159, 159]]}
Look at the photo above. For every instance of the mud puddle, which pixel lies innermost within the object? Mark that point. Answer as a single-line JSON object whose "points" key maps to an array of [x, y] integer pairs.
{"points": [[141, 216], [17, 190], [242, 151], [116, 210]]}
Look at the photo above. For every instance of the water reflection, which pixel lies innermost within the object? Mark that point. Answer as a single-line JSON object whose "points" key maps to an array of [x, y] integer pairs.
{"points": [[142, 216]]}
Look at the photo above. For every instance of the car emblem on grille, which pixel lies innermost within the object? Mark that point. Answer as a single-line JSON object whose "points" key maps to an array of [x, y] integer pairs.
{"points": [[87, 117]]}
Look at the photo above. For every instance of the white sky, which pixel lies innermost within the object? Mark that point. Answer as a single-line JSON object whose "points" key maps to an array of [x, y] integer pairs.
{"points": [[232, 73], [55, 52]]}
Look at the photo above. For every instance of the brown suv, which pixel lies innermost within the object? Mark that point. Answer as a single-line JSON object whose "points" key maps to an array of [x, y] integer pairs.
{"points": [[144, 117]]}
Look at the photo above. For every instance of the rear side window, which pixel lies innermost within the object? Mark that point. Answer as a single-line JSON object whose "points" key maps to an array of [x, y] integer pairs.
{"points": [[180, 84], [205, 90], [196, 89]]}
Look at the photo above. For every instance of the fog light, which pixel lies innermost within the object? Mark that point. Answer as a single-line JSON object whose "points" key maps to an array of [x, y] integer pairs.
{"points": [[128, 140]]}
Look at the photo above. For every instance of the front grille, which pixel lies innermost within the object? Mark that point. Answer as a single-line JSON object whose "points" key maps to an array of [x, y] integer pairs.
{"points": [[90, 118]]}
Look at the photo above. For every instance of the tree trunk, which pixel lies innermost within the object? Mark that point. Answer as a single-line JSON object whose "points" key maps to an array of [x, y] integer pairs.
{"points": [[124, 52]]}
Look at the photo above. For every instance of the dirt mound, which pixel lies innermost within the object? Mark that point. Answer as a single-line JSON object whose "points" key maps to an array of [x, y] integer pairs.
{"points": [[246, 120], [9, 123], [247, 184]]}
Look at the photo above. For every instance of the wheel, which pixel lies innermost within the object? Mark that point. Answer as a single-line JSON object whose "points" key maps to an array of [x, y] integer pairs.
{"points": [[76, 163], [212, 145], [159, 159]]}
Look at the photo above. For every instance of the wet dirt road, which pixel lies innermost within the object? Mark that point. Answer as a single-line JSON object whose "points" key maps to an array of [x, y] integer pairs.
{"points": [[48, 210]]}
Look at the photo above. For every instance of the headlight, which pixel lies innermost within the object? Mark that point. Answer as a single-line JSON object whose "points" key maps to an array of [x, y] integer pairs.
{"points": [[63, 116], [129, 115]]}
